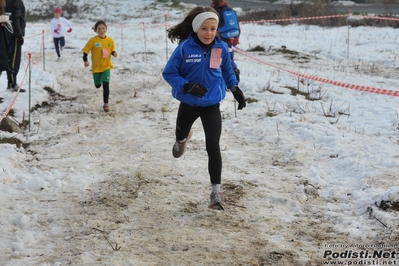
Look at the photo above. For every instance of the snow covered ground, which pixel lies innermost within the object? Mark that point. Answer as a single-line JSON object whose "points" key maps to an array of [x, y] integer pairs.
{"points": [[305, 165]]}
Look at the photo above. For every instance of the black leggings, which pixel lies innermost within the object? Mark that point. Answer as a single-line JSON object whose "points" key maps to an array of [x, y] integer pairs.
{"points": [[212, 124], [105, 91]]}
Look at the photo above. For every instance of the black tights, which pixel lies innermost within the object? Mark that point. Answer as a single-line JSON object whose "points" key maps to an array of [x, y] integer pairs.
{"points": [[105, 91], [212, 125]]}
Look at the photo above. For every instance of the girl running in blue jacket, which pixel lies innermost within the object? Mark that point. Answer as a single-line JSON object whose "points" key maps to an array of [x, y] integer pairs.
{"points": [[199, 71]]}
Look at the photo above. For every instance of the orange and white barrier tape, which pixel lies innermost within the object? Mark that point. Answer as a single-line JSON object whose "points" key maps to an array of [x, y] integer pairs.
{"points": [[328, 81], [291, 19], [373, 17]]}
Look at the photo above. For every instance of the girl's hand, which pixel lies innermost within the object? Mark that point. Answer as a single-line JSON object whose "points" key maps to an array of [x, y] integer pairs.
{"points": [[87, 64], [115, 54]]}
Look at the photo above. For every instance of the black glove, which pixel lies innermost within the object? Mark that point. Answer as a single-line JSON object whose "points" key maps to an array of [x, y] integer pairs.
{"points": [[237, 73], [21, 40], [195, 89], [239, 96]]}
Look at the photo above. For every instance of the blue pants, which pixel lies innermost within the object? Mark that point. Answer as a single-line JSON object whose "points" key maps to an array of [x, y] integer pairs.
{"points": [[59, 42]]}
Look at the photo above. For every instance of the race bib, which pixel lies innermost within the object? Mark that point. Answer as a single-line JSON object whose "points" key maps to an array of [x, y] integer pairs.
{"points": [[105, 53], [216, 54]]}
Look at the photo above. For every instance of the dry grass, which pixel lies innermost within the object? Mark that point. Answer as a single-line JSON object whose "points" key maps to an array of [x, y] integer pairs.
{"points": [[313, 9]]}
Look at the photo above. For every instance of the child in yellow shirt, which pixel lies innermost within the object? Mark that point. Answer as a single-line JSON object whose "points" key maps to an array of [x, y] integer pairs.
{"points": [[101, 48]]}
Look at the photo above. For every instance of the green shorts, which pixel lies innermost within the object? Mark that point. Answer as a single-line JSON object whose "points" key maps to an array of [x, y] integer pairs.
{"points": [[101, 77]]}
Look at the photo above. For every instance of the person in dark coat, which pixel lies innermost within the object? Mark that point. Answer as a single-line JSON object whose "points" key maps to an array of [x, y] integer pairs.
{"points": [[15, 41], [3, 38]]}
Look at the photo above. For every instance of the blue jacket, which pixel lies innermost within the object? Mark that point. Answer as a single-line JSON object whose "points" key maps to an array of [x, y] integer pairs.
{"points": [[189, 64]]}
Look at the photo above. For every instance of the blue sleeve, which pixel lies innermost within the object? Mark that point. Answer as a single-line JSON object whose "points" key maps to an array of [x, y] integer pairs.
{"points": [[171, 72]]}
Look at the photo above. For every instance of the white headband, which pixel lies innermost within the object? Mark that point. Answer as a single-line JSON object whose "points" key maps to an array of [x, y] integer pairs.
{"points": [[200, 18]]}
